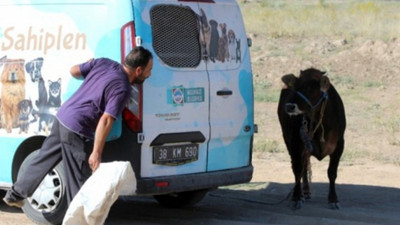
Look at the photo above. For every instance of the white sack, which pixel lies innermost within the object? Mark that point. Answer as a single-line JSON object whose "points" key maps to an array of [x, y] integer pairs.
{"points": [[93, 202]]}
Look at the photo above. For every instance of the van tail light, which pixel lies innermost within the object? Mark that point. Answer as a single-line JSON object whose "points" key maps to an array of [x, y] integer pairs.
{"points": [[131, 120], [127, 39], [132, 113]]}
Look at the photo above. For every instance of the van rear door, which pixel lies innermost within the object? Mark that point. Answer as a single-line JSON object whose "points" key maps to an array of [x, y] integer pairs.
{"points": [[175, 98], [231, 87]]}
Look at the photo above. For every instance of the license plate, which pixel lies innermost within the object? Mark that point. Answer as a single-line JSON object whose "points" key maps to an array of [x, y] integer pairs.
{"points": [[174, 155]]}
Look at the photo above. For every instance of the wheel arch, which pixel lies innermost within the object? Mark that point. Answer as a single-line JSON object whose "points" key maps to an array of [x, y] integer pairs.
{"points": [[25, 148]]}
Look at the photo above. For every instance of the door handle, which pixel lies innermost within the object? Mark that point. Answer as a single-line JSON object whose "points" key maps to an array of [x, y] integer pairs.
{"points": [[224, 92]]}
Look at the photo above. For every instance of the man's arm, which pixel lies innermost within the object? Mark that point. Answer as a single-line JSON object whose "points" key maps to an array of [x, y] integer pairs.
{"points": [[103, 128], [76, 72]]}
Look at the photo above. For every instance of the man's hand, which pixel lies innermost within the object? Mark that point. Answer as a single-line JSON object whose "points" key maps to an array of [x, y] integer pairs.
{"points": [[103, 128], [94, 161]]}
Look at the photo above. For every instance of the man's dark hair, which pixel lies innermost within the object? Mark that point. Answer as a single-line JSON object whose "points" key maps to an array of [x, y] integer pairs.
{"points": [[138, 56]]}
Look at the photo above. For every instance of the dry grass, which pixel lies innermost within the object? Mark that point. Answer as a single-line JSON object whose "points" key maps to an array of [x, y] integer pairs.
{"points": [[350, 19], [355, 42]]}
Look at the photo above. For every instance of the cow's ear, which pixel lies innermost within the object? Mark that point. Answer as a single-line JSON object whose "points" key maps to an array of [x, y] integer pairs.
{"points": [[289, 80], [325, 83]]}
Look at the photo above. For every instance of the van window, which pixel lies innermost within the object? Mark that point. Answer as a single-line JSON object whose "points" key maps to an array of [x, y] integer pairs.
{"points": [[176, 35]]}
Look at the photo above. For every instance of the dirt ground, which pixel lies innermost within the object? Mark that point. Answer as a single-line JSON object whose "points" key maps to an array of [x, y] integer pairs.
{"points": [[367, 75], [369, 194]]}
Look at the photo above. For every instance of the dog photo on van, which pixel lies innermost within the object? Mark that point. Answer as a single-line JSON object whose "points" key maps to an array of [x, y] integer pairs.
{"points": [[1, 115], [232, 44], [12, 90], [34, 68], [25, 110], [217, 42], [223, 52], [214, 40], [205, 35]]}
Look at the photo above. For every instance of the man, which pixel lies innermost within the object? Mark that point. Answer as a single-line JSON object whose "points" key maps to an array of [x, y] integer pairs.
{"points": [[88, 114]]}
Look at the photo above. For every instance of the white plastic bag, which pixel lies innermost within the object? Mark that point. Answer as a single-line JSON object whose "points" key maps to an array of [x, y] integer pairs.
{"points": [[93, 202]]}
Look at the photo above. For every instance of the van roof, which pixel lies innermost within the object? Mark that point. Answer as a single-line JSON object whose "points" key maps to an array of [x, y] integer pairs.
{"points": [[69, 2]]}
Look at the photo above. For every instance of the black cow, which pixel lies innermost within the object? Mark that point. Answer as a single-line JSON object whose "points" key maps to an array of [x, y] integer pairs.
{"points": [[312, 118]]}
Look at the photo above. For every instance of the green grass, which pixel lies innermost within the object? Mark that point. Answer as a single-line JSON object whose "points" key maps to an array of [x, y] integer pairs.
{"points": [[267, 146], [390, 124], [263, 91], [273, 21], [348, 19], [351, 155], [373, 84]]}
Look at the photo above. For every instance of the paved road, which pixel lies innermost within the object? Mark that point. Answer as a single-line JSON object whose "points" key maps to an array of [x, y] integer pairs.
{"points": [[255, 204]]}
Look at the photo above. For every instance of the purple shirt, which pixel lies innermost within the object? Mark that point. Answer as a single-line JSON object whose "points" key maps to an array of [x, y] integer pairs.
{"points": [[105, 89]]}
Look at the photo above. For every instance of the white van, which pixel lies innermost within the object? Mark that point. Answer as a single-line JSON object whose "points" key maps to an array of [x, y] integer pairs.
{"points": [[189, 128]]}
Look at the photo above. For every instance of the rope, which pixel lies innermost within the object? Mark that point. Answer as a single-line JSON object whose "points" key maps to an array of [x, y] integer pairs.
{"points": [[321, 116]]}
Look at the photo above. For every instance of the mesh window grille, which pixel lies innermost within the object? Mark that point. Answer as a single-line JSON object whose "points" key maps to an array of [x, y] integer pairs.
{"points": [[176, 35]]}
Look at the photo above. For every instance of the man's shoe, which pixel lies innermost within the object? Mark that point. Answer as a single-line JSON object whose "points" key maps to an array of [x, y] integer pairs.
{"points": [[12, 200]]}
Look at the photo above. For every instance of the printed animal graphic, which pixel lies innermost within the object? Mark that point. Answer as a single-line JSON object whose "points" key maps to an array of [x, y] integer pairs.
{"points": [[55, 94], [41, 103], [25, 109], [215, 47], [1, 113], [214, 40], [223, 52], [238, 51], [46, 102], [34, 68], [45, 122], [12, 90], [205, 35], [312, 118], [232, 44], [41, 109], [48, 107]]}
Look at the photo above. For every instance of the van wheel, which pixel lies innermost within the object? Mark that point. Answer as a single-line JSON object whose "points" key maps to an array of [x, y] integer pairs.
{"points": [[48, 204], [181, 199]]}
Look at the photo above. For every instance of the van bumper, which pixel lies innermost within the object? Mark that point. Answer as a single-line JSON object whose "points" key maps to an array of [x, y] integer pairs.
{"points": [[189, 182]]}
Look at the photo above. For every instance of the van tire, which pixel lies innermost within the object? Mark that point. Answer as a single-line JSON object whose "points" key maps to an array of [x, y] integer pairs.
{"points": [[181, 199], [57, 206]]}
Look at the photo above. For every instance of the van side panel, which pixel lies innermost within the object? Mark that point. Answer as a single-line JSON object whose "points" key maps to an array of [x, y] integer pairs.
{"points": [[46, 39], [7, 150]]}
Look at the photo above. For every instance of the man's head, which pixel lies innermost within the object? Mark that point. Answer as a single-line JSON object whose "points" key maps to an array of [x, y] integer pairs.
{"points": [[138, 64]]}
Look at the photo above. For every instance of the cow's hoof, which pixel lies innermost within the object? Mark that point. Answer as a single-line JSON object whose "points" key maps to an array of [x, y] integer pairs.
{"points": [[297, 204], [335, 205], [307, 195]]}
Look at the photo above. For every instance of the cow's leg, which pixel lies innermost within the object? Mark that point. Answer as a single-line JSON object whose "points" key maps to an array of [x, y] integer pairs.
{"points": [[307, 176], [332, 174], [298, 168]]}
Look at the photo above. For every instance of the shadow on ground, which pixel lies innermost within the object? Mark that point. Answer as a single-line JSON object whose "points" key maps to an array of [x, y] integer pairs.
{"points": [[267, 203], [255, 204], [6, 208]]}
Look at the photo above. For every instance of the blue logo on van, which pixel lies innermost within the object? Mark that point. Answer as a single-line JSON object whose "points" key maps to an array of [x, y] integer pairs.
{"points": [[181, 95]]}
